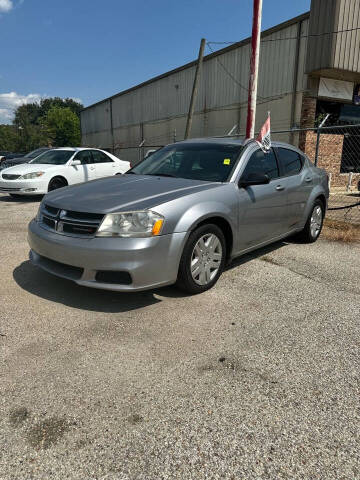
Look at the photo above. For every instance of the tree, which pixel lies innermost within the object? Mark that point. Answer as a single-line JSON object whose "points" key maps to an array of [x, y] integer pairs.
{"points": [[34, 112], [9, 138], [38, 124], [62, 127], [47, 103]]}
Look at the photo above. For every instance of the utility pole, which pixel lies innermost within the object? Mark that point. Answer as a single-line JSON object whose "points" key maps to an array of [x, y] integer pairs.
{"points": [[254, 69], [195, 88]]}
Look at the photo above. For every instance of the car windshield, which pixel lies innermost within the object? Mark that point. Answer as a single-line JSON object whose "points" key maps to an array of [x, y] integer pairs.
{"points": [[53, 157], [35, 153], [209, 162]]}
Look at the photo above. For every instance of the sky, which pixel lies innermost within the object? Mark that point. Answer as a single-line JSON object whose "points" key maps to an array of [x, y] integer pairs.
{"points": [[91, 49]]}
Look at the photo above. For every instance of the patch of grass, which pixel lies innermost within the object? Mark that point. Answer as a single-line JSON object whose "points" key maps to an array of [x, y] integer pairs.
{"points": [[48, 432], [338, 231], [18, 416]]}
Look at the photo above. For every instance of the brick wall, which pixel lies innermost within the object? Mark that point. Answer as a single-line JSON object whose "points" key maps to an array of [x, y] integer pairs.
{"points": [[308, 113], [330, 153]]}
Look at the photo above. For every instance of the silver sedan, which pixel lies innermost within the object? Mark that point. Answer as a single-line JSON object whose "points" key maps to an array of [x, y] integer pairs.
{"points": [[179, 216]]}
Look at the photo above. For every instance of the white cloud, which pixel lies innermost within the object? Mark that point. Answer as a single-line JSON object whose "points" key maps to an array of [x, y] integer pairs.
{"points": [[10, 101], [6, 5], [5, 116]]}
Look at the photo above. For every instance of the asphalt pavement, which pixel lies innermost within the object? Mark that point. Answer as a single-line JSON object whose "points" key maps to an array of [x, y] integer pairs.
{"points": [[256, 379]]}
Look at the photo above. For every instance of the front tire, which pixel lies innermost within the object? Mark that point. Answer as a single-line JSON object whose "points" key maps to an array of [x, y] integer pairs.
{"points": [[314, 224], [202, 260], [55, 183]]}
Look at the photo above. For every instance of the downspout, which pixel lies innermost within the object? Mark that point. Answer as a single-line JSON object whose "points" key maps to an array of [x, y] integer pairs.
{"points": [[295, 80], [81, 132], [112, 128]]}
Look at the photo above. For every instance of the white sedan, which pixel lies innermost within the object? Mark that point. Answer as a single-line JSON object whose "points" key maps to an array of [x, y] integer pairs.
{"points": [[60, 167]]}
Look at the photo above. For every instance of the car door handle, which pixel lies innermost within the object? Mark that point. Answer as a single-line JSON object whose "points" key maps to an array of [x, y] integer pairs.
{"points": [[280, 188], [92, 168], [308, 179]]}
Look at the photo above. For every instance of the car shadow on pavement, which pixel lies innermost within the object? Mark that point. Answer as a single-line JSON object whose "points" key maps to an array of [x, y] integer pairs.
{"points": [[20, 199], [55, 289], [259, 253], [66, 292]]}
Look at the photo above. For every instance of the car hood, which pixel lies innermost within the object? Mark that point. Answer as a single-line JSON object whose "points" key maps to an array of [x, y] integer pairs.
{"points": [[124, 193], [27, 168], [12, 162], [17, 160]]}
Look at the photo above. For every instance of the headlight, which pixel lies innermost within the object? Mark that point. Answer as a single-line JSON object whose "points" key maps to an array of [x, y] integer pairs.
{"points": [[131, 224], [27, 176]]}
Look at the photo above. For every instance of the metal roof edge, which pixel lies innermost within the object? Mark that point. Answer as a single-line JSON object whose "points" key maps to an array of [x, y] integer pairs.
{"points": [[265, 33]]}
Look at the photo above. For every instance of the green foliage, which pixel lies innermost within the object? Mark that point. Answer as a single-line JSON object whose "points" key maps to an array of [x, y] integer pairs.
{"points": [[34, 112], [62, 126], [51, 122], [8, 138]]}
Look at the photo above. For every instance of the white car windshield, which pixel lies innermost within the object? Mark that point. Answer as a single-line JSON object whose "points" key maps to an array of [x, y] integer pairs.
{"points": [[53, 157], [36, 153]]}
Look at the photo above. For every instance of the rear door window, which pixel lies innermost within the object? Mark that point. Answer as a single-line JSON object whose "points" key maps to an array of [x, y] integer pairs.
{"points": [[290, 161], [100, 157]]}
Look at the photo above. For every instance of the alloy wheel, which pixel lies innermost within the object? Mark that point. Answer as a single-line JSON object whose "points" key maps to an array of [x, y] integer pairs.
{"points": [[316, 221], [206, 259]]}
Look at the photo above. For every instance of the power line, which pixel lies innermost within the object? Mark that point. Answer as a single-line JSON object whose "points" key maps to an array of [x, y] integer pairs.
{"points": [[230, 74], [292, 38]]}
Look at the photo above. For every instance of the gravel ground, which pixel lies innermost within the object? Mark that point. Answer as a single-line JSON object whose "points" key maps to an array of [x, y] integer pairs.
{"points": [[256, 379]]}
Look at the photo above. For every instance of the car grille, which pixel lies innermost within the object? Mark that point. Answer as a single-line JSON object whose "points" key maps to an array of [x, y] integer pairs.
{"points": [[68, 222], [7, 176], [9, 189]]}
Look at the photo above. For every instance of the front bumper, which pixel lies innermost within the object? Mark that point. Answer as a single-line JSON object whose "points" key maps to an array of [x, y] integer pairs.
{"points": [[151, 262], [23, 187]]}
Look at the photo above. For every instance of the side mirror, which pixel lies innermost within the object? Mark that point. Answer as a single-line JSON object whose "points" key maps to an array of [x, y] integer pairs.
{"points": [[254, 179], [75, 162]]}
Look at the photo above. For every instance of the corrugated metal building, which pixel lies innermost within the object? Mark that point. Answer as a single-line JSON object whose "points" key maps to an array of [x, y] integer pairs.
{"points": [[295, 56]]}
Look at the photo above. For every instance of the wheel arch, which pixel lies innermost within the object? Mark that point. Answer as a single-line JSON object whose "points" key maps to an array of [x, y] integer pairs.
{"points": [[322, 198], [224, 226], [60, 177]]}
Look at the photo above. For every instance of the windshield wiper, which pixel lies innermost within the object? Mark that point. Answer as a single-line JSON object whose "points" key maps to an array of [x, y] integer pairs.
{"points": [[128, 173]]}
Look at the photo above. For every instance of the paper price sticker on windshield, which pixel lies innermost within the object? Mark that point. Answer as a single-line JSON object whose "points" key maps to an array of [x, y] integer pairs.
{"points": [[226, 161]]}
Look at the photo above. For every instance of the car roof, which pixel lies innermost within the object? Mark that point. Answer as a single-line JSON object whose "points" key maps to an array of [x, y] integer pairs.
{"points": [[236, 141], [215, 140], [76, 149]]}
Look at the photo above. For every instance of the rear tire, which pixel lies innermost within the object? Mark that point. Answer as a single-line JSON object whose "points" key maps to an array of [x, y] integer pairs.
{"points": [[56, 183], [314, 224], [202, 260]]}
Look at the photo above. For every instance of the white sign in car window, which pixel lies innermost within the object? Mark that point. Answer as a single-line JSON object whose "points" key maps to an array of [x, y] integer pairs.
{"points": [[339, 89]]}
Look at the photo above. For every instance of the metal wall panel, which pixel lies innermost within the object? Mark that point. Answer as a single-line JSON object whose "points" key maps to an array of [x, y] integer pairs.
{"points": [[330, 50], [347, 44], [322, 21], [156, 110], [96, 118]]}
